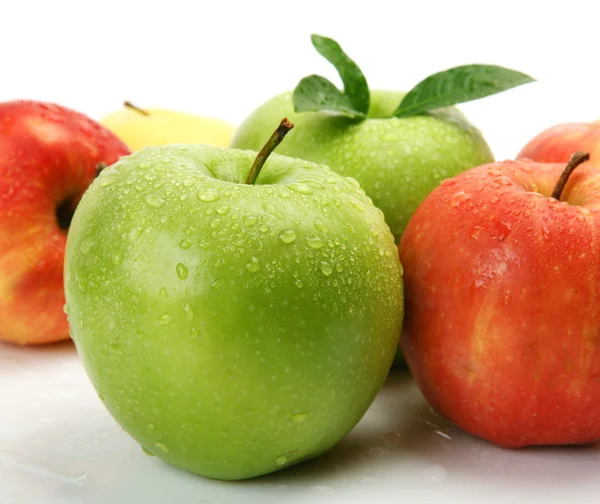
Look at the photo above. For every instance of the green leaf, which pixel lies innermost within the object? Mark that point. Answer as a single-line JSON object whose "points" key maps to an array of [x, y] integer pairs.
{"points": [[315, 93], [458, 85]]}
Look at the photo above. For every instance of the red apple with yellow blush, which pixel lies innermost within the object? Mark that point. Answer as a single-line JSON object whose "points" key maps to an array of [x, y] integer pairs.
{"points": [[49, 155], [502, 327], [557, 143]]}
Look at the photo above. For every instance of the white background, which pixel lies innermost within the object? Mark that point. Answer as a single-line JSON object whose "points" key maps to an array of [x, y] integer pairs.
{"points": [[223, 58], [220, 58]]}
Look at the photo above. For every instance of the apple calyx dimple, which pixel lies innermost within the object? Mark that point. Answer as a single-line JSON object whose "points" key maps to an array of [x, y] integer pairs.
{"points": [[274, 140], [576, 159], [139, 110]]}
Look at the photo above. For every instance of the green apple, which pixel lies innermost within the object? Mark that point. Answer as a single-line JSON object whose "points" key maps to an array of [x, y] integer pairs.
{"points": [[232, 329], [398, 146]]}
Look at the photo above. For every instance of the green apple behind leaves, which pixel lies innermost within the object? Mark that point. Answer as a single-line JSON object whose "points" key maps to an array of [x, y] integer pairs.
{"points": [[232, 329], [399, 146]]}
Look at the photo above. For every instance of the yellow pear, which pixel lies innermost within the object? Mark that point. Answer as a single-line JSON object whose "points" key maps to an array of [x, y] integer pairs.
{"points": [[140, 128]]}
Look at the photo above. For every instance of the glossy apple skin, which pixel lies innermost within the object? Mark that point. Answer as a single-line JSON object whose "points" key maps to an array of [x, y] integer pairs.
{"points": [[232, 330], [502, 284], [48, 155], [164, 127], [396, 161], [558, 143]]}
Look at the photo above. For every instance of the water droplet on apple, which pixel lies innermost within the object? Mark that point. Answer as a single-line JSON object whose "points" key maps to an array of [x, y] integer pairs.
{"points": [[117, 259], [189, 312], [281, 460], [320, 225], [299, 418], [545, 232], [325, 268], [315, 242], [165, 319], [182, 271], [208, 195], [108, 180], [66, 309], [154, 200], [331, 180], [135, 233], [254, 265], [459, 198], [507, 298], [147, 452], [559, 206], [150, 175], [264, 228], [250, 220], [300, 188], [288, 236], [494, 200], [162, 447], [299, 283], [163, 293], [223, 210], [185, 244], [269, 208], [356, 204], [339, 268]]}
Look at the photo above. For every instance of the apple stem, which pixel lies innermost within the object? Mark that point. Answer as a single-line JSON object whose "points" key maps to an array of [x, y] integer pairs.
{"points": [[139, 110], [574, 162], [278, 135], [99, 167]]}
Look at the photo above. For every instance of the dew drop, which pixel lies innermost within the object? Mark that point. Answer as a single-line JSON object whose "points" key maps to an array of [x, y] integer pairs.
{"points": [[165, 319], [135, 233], [150, 175], [320, 225], [288, 236], [356, 204], [189, 312], [162, 447], [300, 188], [182, 271], [299, 283], [250, 220], [494, 200], [254, 265], [269, 208], [339, 268], [163, 293], [326, 268], [459, 198], [223, 210], [117, 259], [147, 452], [185, 244], [208, 195], [281, 460], [545, 232], [66, 309], [299, 418], [315, 242], [264, 228], [154, 200]]}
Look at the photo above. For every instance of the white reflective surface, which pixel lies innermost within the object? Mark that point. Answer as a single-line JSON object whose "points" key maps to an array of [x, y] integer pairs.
{"points": [[58, 445]]}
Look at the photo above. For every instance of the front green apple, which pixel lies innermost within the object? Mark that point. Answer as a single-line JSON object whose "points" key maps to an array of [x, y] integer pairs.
{"points": [[397, 161], [232, 329]]}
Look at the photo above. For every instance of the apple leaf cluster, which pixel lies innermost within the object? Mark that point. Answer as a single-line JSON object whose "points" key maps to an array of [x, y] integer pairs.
{"points": [[442, 89]]}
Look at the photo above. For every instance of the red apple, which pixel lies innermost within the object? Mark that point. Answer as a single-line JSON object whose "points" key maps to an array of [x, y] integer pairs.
{"points": [[48, 158], [502, 286], [556, 144]]}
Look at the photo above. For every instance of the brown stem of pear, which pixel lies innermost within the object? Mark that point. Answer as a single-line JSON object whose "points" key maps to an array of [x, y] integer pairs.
{"points": [[278, 135], [574, 162], [139, 110]]}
